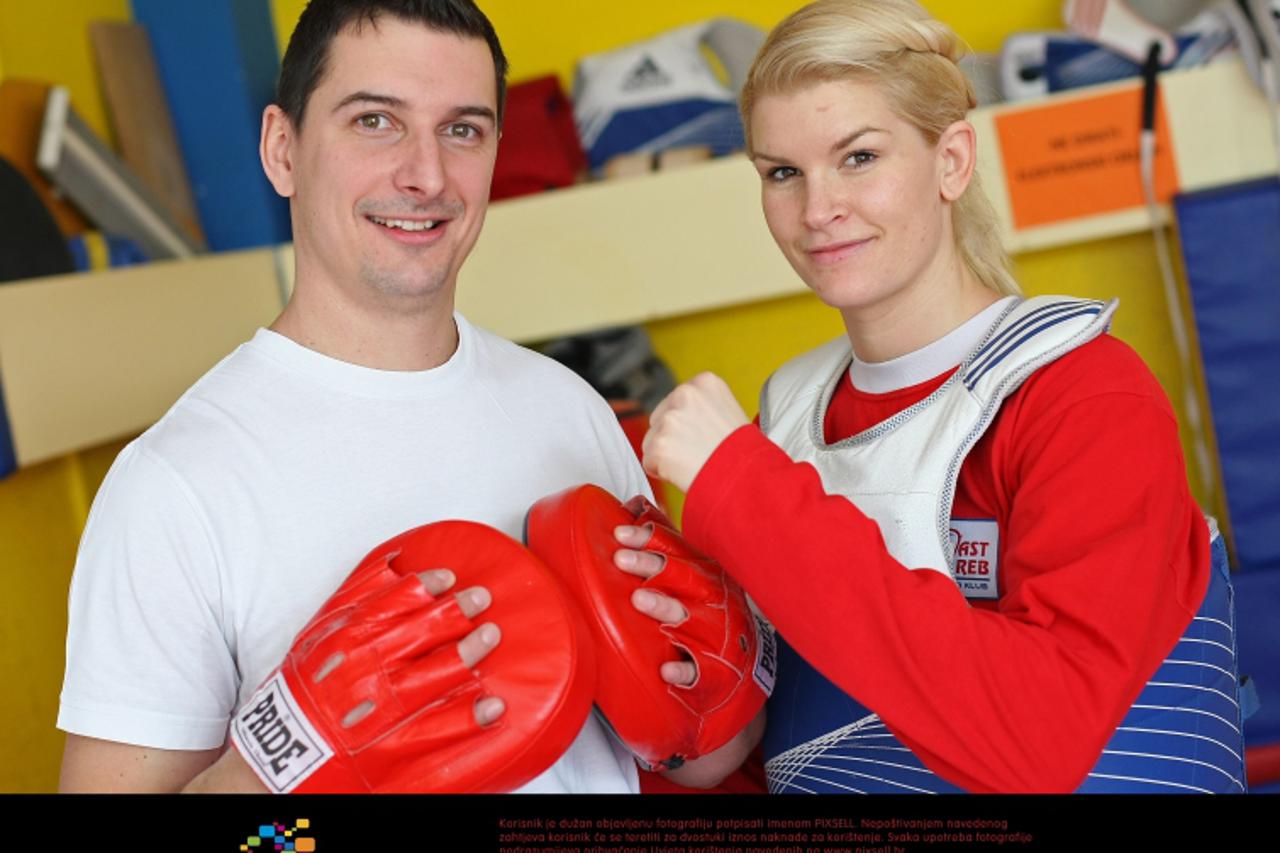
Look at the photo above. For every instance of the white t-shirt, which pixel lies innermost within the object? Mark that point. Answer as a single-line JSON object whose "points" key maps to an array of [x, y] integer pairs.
{"points": [[220, 531]]}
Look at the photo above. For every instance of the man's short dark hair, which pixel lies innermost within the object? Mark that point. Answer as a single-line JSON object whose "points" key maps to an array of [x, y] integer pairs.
{"points": [[306, 58]]}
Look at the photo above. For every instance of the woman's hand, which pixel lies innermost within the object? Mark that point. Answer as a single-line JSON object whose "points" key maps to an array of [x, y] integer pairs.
{"points": [[687, 427]]}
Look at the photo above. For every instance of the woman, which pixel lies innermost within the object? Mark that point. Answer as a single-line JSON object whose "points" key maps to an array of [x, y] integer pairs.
{"points": [[968, 519]]}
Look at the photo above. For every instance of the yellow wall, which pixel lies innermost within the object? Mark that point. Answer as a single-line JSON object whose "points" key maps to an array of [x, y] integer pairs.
{"points": [[539, 41], [49, 41], [42, 509]]}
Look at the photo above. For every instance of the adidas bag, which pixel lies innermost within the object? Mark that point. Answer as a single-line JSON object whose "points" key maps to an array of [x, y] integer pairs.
{"points": [[663, 93]]}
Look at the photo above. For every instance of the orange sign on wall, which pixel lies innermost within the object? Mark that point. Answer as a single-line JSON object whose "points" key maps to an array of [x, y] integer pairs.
{"points": [[1080, 158]]}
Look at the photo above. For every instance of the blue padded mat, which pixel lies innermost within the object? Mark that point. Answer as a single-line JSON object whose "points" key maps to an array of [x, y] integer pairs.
{"points": [[1258, 639], [1231, 248], [218, 63], [8, 458]]}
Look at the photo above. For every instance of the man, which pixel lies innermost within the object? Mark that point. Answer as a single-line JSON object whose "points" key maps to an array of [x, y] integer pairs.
{"points": [[368, 408]]}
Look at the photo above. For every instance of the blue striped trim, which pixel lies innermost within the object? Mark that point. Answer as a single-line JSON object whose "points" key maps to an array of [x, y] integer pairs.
{"points": [[1006, 347], [1018, 325]]}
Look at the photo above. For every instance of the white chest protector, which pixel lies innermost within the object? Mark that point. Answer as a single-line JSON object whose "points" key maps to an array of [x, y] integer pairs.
{"points": [[902, 473], [1183, 733]]}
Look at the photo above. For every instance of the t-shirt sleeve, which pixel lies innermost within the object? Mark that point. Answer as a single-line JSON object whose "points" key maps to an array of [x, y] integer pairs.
{"points": [[626, 475], [1109, 549], [147, 660]]}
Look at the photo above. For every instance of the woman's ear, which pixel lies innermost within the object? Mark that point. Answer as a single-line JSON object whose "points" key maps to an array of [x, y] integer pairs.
{"points": [[276, 149], [957, 158]]}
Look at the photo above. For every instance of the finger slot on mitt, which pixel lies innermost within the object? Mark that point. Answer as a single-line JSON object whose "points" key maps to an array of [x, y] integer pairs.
{"points": [[358, 713], [714, 681], [419, 685], [688, 583], [366, 581], [705, 630], [327, 668], [431, 679], [398, 599], [451, 720], [439, 623], [665, 539]]}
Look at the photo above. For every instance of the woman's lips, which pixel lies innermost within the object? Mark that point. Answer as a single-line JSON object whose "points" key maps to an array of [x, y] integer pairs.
{"points": [[831, 253]]}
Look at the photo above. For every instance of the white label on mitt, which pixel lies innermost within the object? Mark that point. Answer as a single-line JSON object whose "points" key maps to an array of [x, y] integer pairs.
{"points": [[276, 740], [766, 670], [975, 544]]}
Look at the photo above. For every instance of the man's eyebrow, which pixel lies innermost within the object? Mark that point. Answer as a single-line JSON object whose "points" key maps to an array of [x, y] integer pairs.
{"points": [[370, 98], [476, 112]]}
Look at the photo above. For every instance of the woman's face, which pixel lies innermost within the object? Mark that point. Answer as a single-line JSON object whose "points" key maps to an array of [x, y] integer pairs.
{"points": [[852, 193]]}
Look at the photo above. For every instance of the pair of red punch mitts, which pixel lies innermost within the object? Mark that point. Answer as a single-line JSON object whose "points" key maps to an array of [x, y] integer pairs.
{"points": [[373, 696]]}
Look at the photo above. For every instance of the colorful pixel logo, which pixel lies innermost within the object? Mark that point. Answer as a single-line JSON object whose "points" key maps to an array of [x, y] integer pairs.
{"points": [[274, 836]]}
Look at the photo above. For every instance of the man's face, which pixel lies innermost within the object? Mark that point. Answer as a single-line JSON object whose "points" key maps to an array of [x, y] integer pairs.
{"points": [[389, 178]]}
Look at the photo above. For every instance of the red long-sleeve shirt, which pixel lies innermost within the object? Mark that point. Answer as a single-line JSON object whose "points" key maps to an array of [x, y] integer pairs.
{"points": [[1103, 560]]}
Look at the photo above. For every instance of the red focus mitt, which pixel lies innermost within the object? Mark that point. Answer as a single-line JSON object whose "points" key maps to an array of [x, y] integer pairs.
{"points": [[373, 697], [732, 650]]}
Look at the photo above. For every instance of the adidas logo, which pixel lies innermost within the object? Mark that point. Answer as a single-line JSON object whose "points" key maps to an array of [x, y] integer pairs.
{"points": [[646, 75]]}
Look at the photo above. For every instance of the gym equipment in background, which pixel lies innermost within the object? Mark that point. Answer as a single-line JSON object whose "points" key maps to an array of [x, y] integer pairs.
{"points": [[218, 62], [665, 93], [30, 245], [141, 119], [106, 190], [1231, 251]]}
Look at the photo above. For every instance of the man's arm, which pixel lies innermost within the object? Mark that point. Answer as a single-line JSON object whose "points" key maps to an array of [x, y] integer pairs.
{"points": [[91, 765]]}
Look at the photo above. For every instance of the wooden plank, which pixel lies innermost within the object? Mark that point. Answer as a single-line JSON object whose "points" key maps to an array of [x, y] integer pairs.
{"points": [[140, 117], [85, 359]]}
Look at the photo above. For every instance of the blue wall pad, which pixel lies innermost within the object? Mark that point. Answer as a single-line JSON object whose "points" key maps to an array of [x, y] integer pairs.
{"points": [[8, 458], [218, 64], [1258, 638], [1231, 249]]}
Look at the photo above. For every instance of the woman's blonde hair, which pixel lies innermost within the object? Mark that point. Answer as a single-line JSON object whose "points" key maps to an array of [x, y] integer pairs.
{"points": [[912, 58]]}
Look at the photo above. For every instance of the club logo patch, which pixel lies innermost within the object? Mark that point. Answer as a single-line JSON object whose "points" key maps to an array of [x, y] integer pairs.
{"points": [[766, 669], [276, 740], [975, 549]]}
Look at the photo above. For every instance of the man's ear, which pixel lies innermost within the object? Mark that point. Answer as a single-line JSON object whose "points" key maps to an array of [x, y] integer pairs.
{"points": [[957, 158], [277, 149]]}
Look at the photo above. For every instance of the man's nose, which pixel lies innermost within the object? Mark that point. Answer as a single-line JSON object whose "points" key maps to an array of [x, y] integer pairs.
{"points": [[420, 168]]}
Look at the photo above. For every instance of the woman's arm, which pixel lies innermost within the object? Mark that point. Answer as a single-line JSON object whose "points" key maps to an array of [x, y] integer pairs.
{"points": [[1105, 563]]}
